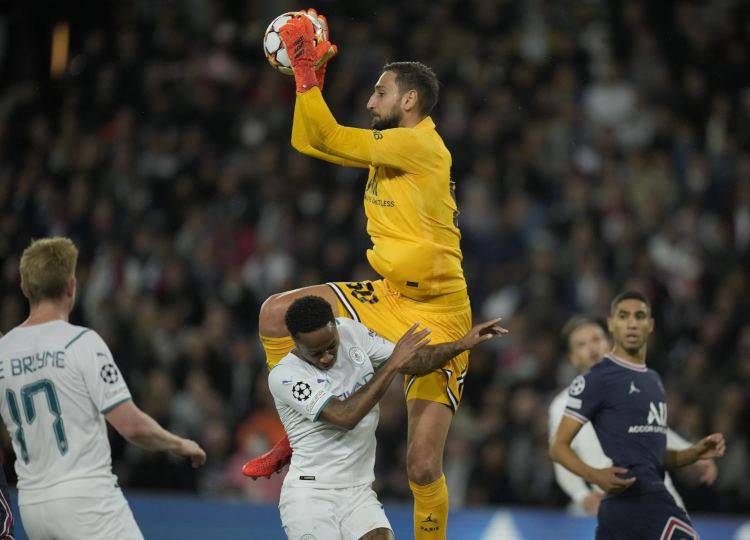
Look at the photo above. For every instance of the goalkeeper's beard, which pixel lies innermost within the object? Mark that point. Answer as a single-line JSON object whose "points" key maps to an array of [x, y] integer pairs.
{"points": [[393, 120]]}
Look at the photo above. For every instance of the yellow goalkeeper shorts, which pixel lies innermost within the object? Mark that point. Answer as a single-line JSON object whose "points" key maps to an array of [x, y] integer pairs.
{"points": [[381, 308]]}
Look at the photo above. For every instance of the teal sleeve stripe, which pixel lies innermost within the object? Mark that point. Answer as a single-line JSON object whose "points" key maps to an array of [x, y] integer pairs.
{"points": [[105, 411], [329, 398], [76, 338]]}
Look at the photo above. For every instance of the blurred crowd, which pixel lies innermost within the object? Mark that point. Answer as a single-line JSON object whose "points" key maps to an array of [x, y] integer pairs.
{"points": [[596, 146]]}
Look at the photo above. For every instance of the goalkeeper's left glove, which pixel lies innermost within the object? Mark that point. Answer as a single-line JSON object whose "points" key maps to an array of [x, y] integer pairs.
{"points": [[297, 35], [324, 50]]}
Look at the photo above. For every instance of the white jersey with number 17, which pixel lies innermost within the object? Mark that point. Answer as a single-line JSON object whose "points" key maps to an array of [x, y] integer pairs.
{"points": [[57, 381]]}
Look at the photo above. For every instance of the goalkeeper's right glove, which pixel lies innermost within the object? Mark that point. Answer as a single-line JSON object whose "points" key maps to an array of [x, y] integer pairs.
{"points": [[297, 35]]}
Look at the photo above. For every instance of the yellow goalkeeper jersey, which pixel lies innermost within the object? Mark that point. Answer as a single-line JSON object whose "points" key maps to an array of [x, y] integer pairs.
{"points": [[409, 198]]}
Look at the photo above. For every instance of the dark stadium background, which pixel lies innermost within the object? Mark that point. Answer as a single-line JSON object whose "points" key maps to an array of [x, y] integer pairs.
{"points": [[596, 145]]}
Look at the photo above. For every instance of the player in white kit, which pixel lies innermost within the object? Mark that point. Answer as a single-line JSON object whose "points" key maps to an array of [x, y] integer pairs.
{"points": [[326, 391], [7, 519], [587, 342], [58, 383]]}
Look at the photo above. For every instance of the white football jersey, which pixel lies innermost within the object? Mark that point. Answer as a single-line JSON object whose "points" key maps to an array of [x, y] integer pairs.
{"points": [[57, 381], [327, 456]]}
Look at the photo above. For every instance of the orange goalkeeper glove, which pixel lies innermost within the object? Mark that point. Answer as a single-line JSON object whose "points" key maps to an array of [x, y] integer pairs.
{"points": [[297, 35], [324, 50]]}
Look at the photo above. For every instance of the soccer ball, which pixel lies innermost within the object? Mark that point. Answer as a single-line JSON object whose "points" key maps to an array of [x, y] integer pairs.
{"points": [[274, 47]]}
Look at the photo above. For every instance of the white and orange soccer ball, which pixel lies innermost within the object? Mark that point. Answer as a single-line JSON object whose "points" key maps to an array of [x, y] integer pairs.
{"points": [[274, 47]]}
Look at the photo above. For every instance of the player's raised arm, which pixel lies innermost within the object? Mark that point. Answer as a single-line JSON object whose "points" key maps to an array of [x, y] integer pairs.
{"points": [[400, 148], [301, 143], [324, 51]]}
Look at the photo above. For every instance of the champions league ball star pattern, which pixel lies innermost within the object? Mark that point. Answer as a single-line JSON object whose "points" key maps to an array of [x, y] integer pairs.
{"points": [[577, 386], [274, 48], [301, 391], [109, 373]]}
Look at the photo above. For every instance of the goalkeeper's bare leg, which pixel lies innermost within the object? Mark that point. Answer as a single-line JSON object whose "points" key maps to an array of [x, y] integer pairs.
{"points": [[428, 427]]}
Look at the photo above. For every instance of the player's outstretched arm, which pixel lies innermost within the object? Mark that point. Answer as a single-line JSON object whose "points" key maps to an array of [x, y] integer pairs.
{"points": [[145, 432], [433, 357], [710, 447], [348, 412], [561, 452]]}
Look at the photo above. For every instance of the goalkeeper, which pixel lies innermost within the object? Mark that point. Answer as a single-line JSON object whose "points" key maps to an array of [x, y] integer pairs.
{"points": [[411, 218]]}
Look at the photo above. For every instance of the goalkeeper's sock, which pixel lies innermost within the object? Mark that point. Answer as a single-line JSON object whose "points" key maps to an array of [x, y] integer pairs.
{"points": [[276, 348], [430, 509]]}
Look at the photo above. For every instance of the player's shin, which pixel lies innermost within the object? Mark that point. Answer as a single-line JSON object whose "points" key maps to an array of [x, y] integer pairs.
{"points": [[430, 509]]}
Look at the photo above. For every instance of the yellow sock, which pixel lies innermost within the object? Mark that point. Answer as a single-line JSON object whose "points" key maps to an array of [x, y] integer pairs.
{"points": [[276, 348], [430, 509]]}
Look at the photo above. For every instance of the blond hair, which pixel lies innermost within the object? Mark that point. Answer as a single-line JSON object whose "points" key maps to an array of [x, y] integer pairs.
{"points": [[46, 267]]}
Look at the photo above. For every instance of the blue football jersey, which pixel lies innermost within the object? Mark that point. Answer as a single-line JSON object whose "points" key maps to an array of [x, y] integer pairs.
{"points": [[627, 405]]}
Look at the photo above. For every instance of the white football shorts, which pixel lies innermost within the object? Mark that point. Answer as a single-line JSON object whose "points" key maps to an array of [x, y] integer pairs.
{"points": [[75, 518], [330, 514]]}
